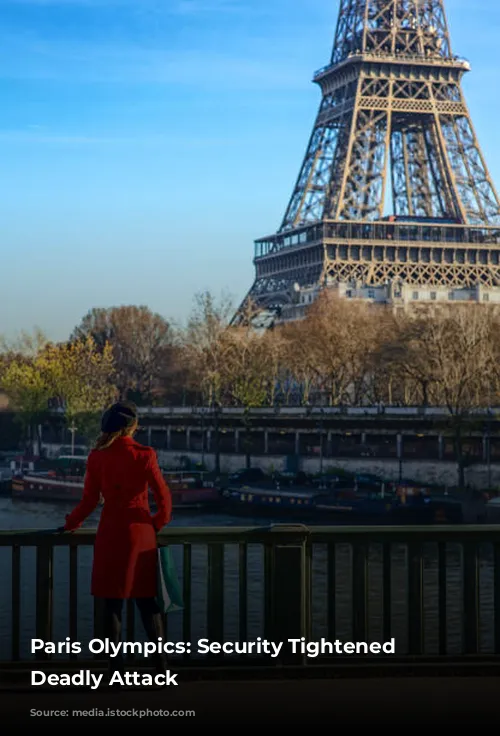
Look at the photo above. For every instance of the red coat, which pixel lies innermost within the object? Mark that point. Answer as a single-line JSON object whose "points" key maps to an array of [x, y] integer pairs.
{"points": [[125, 549]]}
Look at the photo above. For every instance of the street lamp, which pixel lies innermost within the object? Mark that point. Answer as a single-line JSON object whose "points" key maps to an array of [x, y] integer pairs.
{"points": [[215, 409], [73, 429], [202, 437]]}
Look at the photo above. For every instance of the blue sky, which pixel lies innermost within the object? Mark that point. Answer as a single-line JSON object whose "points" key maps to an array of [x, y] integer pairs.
{"points": [[144, 144]]}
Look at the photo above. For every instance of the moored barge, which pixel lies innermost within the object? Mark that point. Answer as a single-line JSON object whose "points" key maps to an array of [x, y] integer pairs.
{"points": [[65, 479], [342, 506]]}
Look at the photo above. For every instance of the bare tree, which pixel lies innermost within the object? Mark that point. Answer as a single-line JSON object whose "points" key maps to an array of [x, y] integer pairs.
{"points": [[143, 345], [275, 347], [337, 340], [248, 370], [26, 344], [302, 374], [248, 373], [450, 356], [205, 345]]}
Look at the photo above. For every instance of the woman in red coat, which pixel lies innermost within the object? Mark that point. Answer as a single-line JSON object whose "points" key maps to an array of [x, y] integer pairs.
{"points": [[120, 470]]}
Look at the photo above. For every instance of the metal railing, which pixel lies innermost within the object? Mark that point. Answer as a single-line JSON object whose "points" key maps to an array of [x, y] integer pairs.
{"points": [[436, 59], [312, 411], [438, 235], [436, 591]]}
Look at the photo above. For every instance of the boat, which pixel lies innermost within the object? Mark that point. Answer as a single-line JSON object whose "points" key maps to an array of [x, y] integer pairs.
{"points": [[272, 502], [64, 479], [347, 505], [42, 487], [192, 490], [61, 481], [303, 504]]}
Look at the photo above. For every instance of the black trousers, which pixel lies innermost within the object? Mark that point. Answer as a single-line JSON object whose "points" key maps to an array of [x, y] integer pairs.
{"points": [[149, 610], [146, 606], [152, 620]]}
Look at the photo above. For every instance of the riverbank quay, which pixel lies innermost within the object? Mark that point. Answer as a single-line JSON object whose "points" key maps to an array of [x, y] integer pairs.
{"points": [[392, 443], [387, 701]]}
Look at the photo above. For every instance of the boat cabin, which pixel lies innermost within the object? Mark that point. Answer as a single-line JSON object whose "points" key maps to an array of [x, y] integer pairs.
{"points": [[68, 466], [269, 497]]}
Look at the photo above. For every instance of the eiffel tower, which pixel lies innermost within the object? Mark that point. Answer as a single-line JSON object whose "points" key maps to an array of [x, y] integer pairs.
{"points": [[394, 188]]}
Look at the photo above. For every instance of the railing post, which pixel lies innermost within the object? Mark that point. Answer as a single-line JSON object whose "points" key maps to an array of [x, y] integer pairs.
{"points": [[415, 599], [99, 622], [243, 591], [442, 598], [73, 595], [268, 590], [216, 592], [496, 595], [44, 586], [130, 636], [360, 592], [16, 602], [387, 589], [332, 591], [186, 594], [471, 598], [290, 590]]}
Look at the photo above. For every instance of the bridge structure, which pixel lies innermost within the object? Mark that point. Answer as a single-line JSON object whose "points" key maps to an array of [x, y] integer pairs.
{"points": [[391, 433], [354, 584]]}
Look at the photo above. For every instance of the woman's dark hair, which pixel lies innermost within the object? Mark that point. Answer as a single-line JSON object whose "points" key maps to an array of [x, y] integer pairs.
{"points": [[119, 420]]}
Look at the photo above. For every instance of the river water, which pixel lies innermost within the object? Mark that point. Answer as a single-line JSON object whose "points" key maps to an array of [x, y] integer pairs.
{"points": [[16, 514]]}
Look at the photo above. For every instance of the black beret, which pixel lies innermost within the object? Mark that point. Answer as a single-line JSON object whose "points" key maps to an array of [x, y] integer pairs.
{"points": [[119, 416]]}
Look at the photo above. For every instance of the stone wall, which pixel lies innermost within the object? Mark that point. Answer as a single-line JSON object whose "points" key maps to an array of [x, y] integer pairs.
{"points": [[425, 471], [432, 472]]}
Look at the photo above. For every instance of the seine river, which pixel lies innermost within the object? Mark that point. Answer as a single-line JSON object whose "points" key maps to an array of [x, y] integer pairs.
{"points": [[16, 514]]}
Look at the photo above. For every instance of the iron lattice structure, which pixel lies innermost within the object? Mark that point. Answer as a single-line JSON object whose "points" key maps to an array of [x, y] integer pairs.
{"points": [[393, 186]]}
